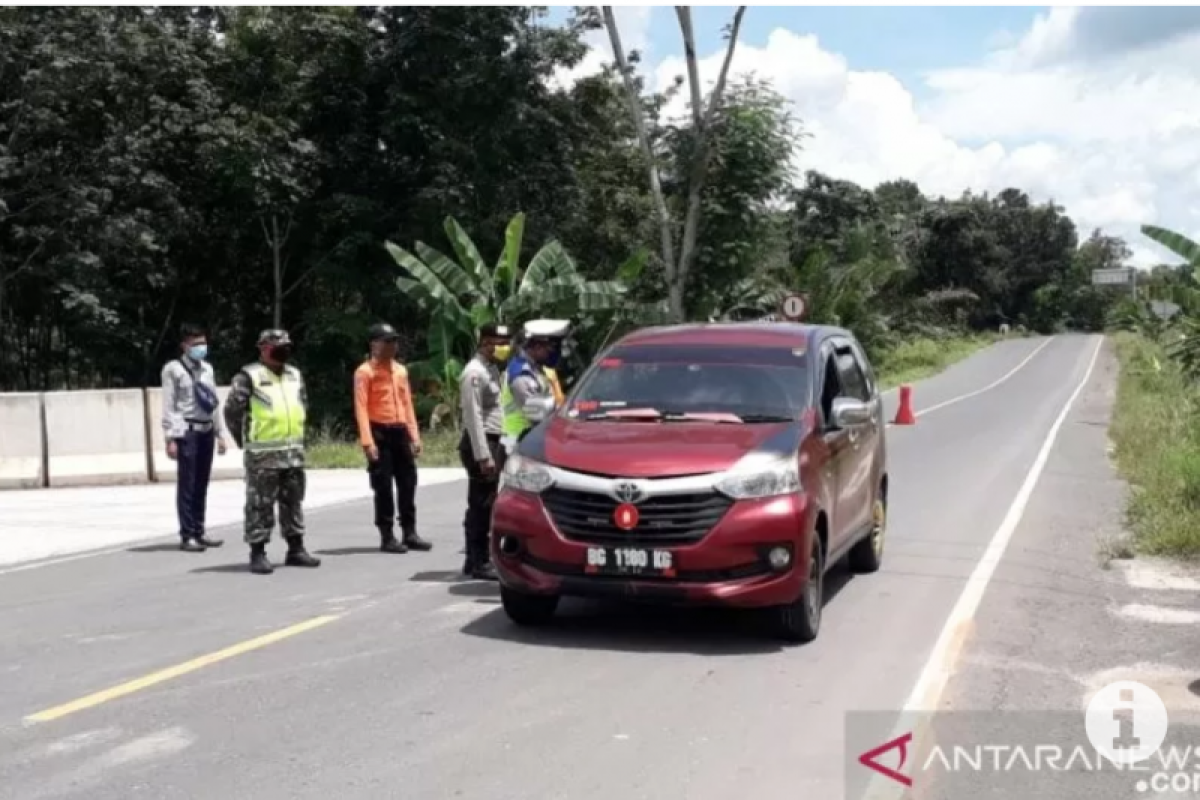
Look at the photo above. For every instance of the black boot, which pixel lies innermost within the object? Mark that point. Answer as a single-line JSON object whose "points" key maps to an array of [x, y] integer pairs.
{"points": [[206, 541], [259, 563], [388, 543], [190, 545], [414, 542], [484, 571], [297, 556]]}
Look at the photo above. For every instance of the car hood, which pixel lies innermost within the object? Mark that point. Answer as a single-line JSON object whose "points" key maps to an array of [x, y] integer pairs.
{"points": [[655, 449]]}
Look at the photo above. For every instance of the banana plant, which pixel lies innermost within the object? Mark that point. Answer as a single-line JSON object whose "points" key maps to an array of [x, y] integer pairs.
{"points": [[462, 293], [1184, 337]]}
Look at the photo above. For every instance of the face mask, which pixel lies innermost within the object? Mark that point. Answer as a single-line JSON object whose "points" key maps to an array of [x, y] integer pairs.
{"points": [[502, 352], [552, 359], [281, 353], [198, 352]]}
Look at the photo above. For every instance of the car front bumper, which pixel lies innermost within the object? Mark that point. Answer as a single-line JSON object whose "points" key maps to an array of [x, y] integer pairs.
{"points": [[727, 567]]}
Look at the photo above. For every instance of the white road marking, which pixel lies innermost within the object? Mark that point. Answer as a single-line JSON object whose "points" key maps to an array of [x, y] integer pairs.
{"points": [[987, 388], [937, 671], [1165, 615]]}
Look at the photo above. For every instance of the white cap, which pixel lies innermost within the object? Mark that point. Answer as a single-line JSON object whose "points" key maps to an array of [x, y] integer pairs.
{"points": [[549, 328]]}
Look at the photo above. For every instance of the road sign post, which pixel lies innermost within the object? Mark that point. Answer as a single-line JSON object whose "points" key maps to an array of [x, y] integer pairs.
{"points": [[794, 306]]}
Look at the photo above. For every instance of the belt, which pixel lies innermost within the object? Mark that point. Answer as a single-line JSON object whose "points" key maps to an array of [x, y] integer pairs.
{"points": [[388, 425], [199, 424]]}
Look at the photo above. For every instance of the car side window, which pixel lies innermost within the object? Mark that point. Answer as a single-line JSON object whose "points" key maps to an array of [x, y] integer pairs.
{"points": [[831, 389], [853, 380], [865, 366]]}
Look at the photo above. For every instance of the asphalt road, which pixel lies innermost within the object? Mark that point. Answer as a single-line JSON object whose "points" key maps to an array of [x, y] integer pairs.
{"points": [[420, 688]]}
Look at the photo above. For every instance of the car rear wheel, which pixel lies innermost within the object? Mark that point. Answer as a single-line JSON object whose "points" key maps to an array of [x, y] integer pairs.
{"points": [[867, 555], [800, 621], [528, 609]]}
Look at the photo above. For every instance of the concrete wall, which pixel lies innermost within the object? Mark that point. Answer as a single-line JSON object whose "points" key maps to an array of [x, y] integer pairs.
{"points": [[22, 446], [90, 438], [226, 466], [96, 437]]}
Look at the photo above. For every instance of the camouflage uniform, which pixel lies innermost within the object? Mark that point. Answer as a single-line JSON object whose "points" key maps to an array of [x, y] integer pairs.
{"points": [[272, 476]]}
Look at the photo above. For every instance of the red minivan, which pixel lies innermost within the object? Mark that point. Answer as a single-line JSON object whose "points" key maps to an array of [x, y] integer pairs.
{"points": [[714, 464]]}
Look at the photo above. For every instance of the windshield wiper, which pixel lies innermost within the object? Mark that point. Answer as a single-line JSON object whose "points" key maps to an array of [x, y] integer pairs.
{"points": [[761, 418]]}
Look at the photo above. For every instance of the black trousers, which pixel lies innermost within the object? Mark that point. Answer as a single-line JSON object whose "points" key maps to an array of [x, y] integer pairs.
{"points": [[195, 459], [481, 494], [394, 471]]}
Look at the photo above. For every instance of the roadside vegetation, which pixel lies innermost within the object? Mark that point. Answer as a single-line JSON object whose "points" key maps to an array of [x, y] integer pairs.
{"points": [[1156, 421], [254, 167]]}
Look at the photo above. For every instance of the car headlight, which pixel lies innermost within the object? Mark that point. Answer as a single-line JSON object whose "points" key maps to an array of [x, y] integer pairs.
{"points": [[757, 477], [526, 475]]}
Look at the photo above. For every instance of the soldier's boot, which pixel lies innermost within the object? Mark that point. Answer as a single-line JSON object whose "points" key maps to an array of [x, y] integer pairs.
{"points": [[190, 545], [413, 541], [259, 563], [297, 556], [483, 570], [388, 543]]}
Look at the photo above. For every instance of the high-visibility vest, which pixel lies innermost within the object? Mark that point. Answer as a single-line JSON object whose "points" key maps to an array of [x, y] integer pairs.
{"points": [[555, 385], [515, 422], [277, 413]]}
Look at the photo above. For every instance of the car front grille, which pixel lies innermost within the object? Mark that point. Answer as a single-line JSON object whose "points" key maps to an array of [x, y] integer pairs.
{"points": [[669, 519]]}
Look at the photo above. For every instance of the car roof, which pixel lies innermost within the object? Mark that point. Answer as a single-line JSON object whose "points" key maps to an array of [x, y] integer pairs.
{"points": [[734, 334]]}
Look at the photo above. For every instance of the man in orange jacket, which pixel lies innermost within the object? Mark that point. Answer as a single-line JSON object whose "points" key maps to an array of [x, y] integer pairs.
{"points": [[390, 438]]}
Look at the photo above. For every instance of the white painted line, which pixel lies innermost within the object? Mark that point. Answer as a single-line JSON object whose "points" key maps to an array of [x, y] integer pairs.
{"points": [[987, 388], [937, 671], [1164, 615]]}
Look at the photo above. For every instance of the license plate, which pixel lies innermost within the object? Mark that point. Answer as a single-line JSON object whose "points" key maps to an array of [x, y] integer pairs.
{"points": [[630, 561]]}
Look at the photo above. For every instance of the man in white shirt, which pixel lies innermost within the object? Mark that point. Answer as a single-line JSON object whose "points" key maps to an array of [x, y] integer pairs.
{"points": [[193, 430]]}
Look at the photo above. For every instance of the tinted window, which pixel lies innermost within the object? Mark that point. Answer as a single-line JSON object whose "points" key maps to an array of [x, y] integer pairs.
{"points": [[854, 384], [746, 381]]}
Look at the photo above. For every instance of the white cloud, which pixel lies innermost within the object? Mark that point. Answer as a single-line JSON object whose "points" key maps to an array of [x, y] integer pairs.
{"points": [[1114, 137], [633, 24]]}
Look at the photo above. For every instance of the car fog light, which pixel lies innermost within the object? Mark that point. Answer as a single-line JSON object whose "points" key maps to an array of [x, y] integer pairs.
{"points": [[779, 558]]}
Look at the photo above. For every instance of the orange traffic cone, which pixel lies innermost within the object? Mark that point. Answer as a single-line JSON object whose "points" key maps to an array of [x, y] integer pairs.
{"points": [[904, 414]]}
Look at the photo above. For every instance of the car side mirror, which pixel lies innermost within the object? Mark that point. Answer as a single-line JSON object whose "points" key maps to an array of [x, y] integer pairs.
{"points": [[849, 412], [538, 408]]}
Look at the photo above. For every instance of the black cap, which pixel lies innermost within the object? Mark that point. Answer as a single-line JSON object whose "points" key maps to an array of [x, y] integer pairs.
{"points": [[382, 332], [274, 336], [494, 331]]}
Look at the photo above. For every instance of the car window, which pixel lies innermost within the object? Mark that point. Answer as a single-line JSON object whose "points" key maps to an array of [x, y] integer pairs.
{"points": [[746, 382], [831, 388], [853, 383], [864, 364]]}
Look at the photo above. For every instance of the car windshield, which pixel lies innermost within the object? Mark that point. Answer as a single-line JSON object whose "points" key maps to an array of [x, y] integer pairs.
{"points": [[703, 383]]}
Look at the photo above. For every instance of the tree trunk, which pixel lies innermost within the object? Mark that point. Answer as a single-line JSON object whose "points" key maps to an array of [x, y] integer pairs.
{"points": [[702, 118], [639, 124]]}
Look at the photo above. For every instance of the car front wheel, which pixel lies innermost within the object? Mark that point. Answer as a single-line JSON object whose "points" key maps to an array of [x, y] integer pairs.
{"points": [[528, 609], [800, 621]]}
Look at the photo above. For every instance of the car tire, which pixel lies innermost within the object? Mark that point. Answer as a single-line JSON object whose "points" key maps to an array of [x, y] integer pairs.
{"points": [[800, 621], [867, 555], [528, 609]]}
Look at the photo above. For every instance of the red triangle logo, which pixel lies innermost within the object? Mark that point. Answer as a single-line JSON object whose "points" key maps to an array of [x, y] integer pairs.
{"points": [[868, 759]]}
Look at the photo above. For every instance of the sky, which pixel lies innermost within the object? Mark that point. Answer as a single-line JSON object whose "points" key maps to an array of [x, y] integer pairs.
{"points": [[1095, 108]]}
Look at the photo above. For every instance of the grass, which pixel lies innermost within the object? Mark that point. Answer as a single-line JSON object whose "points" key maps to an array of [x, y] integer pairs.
{"points": [[335, 448], [1156, 433], [916, 359]]}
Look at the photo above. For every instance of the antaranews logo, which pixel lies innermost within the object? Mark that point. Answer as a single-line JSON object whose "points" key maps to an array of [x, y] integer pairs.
{"points": [[1125, 731], [870, 759]]}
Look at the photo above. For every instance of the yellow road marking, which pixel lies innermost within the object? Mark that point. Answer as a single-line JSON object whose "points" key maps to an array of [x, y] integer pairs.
{"points": [[146, 681]]}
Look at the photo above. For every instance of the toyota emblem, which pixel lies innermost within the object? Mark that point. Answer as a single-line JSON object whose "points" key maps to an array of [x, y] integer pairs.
{"points": [[627, 492]]}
